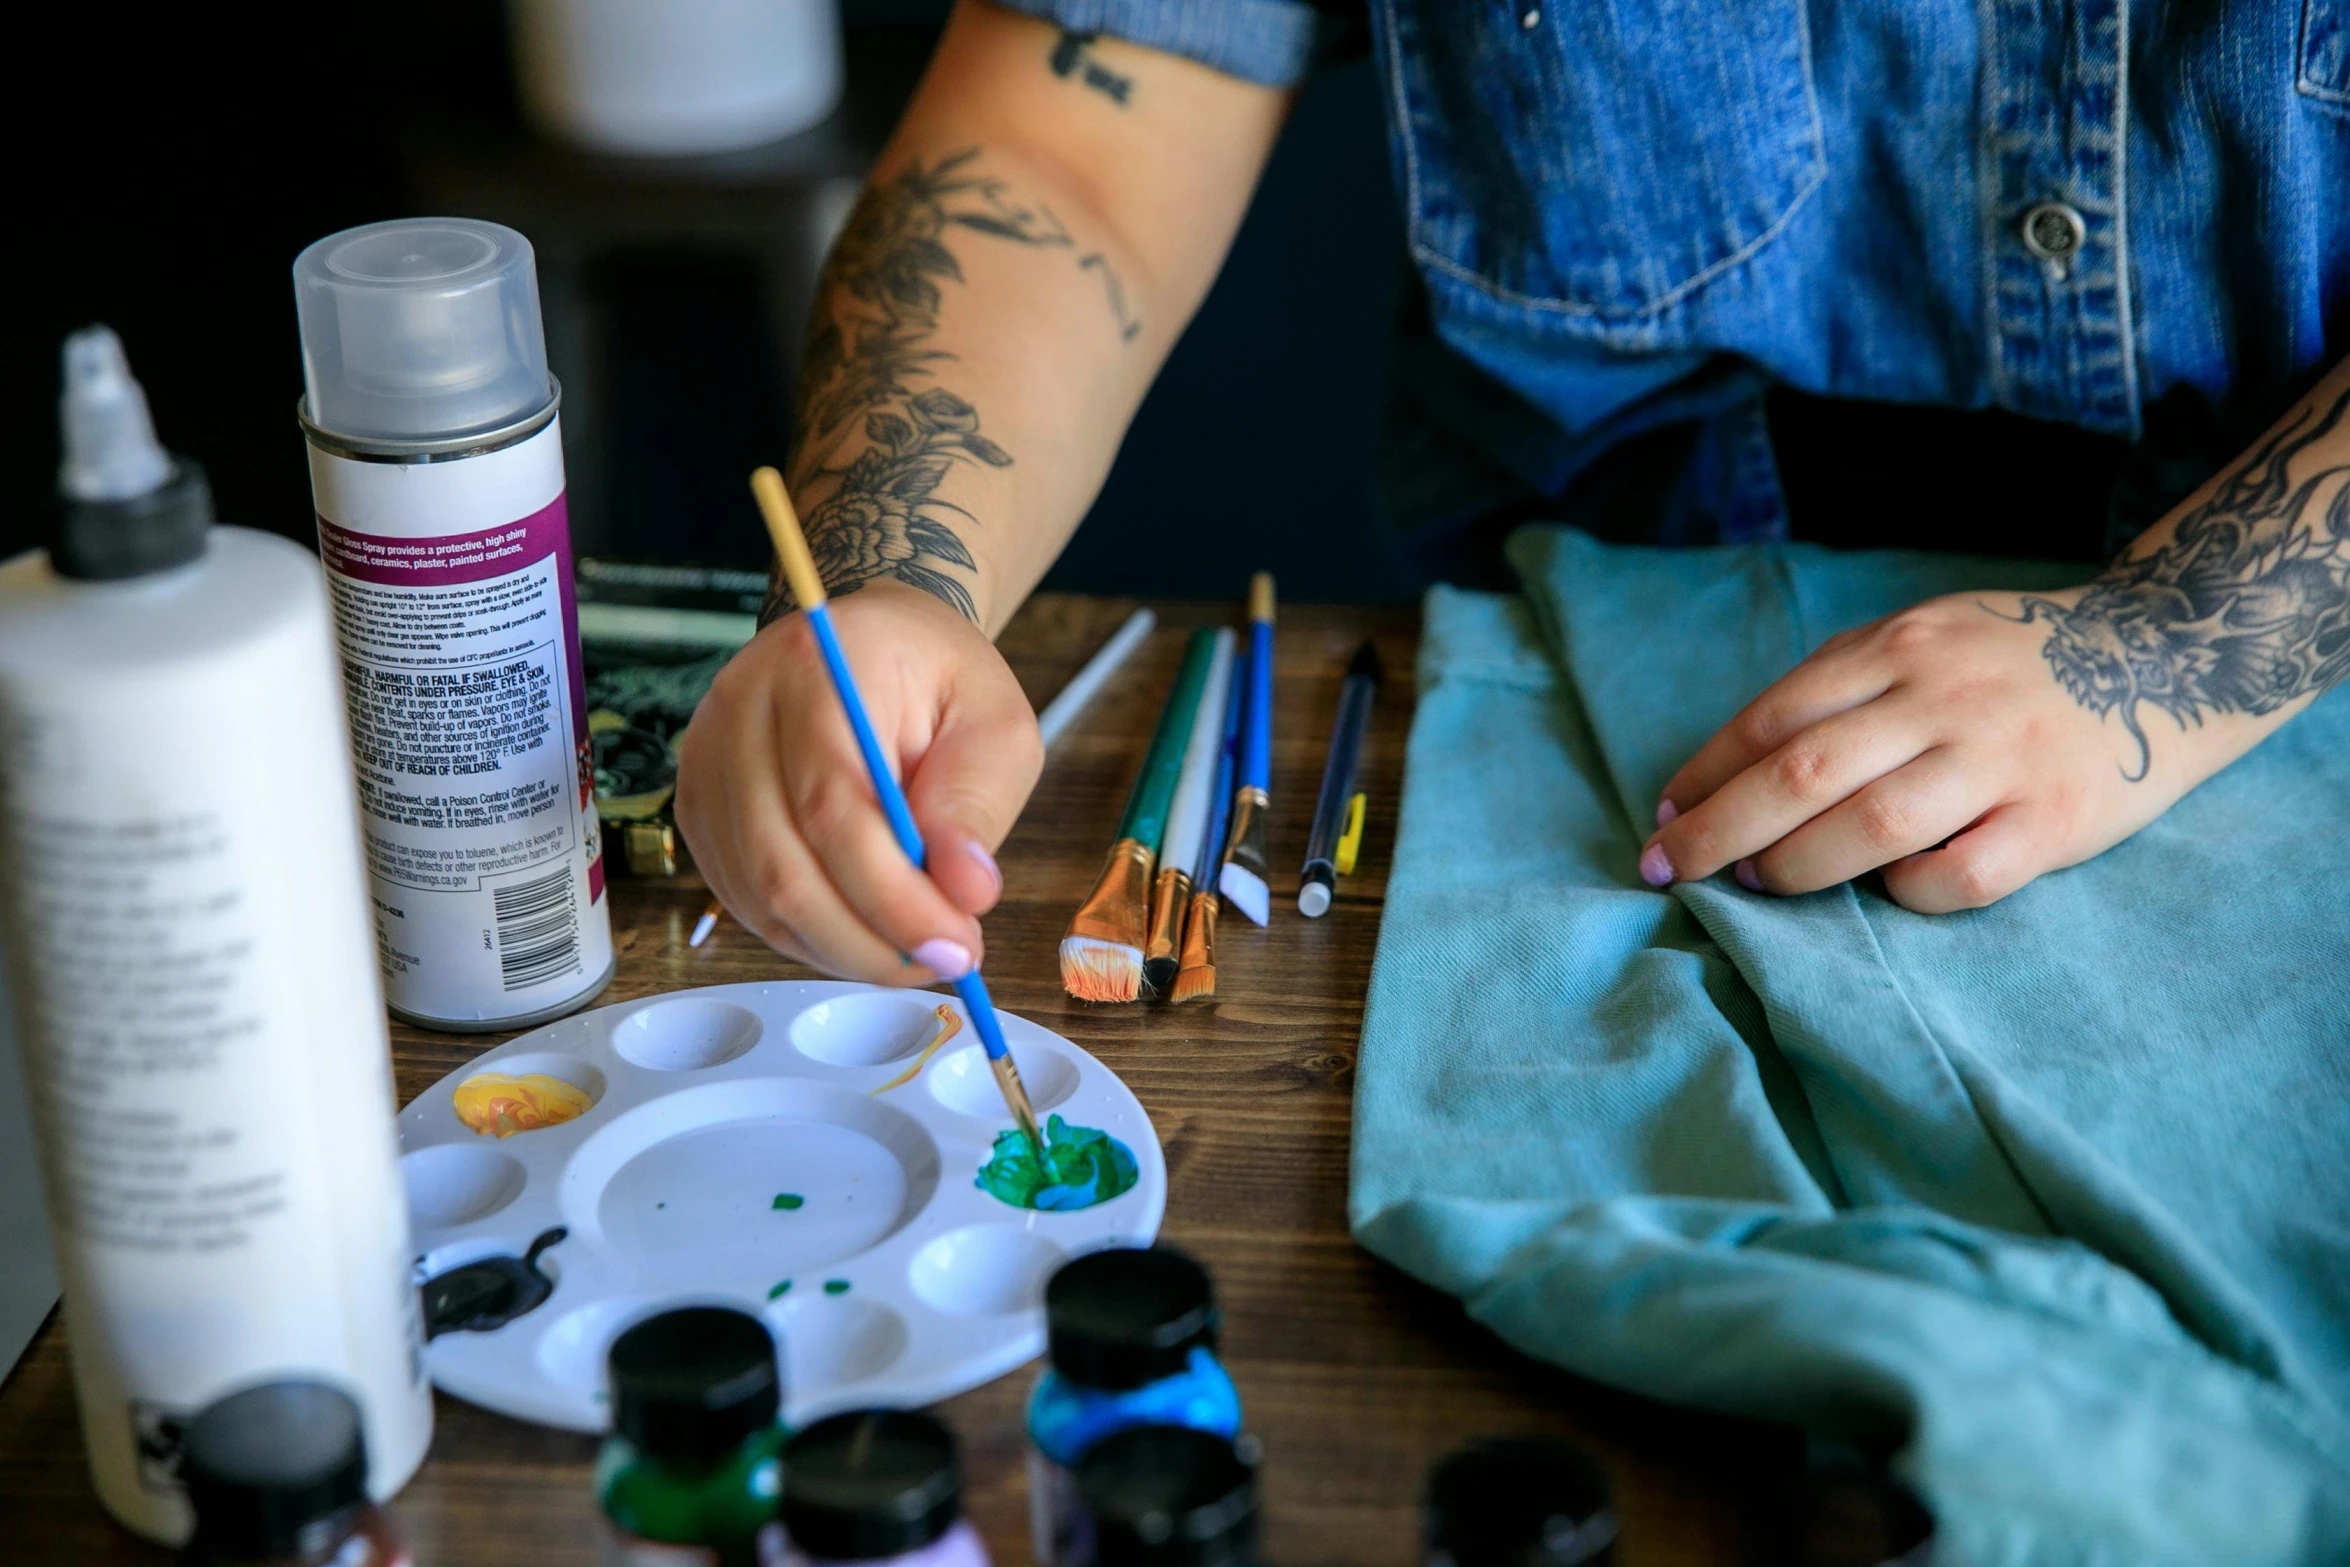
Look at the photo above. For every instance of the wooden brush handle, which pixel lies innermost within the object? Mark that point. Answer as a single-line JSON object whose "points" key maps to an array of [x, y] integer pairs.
{"points": [[1260, 596], [791, 545]]}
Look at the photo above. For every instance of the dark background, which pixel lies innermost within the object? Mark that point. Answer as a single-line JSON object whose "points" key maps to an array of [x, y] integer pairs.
{"points": [[170, 161]]}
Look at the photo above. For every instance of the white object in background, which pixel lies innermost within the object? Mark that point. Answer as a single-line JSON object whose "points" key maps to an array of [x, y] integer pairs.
{"points": [[891, 1281], [676, 78], [1063, 709], [194, 974], [436, 460]]}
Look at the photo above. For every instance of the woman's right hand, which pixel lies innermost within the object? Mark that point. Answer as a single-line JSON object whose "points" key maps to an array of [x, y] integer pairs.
{"points": [[773, 798]]}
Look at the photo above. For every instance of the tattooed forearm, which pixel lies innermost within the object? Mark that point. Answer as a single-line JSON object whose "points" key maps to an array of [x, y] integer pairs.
{"points": [[2244, 609], [878, 512], [874, 442], [1070, 58]]}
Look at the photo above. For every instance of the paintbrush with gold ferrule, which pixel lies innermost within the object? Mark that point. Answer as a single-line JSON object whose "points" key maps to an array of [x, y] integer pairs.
{"points": [[1242, 879], [1187, 824], [1101, 956], [1195, 976], [799, 569]]}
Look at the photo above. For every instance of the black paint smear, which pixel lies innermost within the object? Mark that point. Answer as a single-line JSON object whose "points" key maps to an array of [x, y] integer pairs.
{"points": [[483, 1296]]}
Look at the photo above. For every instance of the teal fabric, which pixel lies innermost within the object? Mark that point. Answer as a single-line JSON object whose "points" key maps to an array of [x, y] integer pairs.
{"points": [[2051, 1194]]}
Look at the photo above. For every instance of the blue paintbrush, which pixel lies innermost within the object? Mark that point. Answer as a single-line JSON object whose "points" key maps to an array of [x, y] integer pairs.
{"points": [[1245, 867], [799, 569]]}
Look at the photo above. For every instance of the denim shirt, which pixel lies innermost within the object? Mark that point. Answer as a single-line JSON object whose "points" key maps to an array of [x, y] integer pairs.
{"points": [[1638, 212]]}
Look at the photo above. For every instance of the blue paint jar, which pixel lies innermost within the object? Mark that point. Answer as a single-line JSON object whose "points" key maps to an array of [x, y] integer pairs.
{"points": [[1132, 1342]]}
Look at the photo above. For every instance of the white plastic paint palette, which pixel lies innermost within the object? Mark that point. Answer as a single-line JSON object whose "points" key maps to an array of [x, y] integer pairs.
{"points": [[894, 1280]]}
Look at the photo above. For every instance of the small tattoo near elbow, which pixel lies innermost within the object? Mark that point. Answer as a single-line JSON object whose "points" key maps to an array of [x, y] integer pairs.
{"points": [[1128, 326], [1070, 60]]}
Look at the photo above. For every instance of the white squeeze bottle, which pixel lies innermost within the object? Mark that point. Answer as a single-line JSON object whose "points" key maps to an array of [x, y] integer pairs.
{"points": [[436, 458], [192, 964]]}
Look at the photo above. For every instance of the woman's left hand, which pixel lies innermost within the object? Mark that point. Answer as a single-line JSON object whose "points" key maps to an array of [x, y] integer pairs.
{"points": [[1936, 744]]}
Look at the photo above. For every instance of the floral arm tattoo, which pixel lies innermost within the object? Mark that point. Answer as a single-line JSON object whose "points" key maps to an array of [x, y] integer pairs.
{"points": [[877, 436], [2244, 609]]}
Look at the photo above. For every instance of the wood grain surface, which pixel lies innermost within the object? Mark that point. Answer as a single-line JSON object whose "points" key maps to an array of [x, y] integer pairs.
{"points": [[1355, 1377]]}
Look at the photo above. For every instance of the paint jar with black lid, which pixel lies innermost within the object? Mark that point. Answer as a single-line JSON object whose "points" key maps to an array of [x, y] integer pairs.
{"points": [[692, 1472], [1131, 1336], [1521, 1502], [1167, 1496], [277, 1476], [880, 1486]]}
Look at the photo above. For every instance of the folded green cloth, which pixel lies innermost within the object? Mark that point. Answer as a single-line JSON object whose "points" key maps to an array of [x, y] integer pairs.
{"points": [[2054, 1196]]}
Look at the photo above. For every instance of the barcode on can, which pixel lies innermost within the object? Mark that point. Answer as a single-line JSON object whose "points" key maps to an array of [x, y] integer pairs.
{"points": [[538, 929]]}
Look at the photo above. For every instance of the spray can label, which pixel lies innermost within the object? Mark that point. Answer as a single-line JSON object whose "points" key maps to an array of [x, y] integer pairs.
{"points": [[459, 630]]}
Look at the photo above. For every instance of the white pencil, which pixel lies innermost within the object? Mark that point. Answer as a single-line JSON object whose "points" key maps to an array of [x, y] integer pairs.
{"points": [[1063, 709]]}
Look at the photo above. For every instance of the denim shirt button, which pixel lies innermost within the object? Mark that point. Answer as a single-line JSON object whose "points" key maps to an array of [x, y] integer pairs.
{"points": [[2052, 231], [1531, 20]]}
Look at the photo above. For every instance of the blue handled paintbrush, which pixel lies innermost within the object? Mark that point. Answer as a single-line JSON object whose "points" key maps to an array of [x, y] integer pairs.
{"points": [[1242, 879], [799, 570]]}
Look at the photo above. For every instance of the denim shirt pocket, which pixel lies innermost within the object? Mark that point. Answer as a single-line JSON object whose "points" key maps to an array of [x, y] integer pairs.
{"points": [[2325, 53], [1598, 167]]}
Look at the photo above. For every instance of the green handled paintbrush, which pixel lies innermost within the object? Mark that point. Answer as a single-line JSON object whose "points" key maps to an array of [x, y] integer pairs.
{"points": [[1101, 956]]}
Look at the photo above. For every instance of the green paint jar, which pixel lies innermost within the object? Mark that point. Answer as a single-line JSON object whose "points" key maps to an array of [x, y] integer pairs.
{"points": [[692, 1473]]}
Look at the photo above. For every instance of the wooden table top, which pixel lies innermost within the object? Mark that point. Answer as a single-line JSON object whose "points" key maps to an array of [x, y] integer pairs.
{"points": [[1356, 1378]]}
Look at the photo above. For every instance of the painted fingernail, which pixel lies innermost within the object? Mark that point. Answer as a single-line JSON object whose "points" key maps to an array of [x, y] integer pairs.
{"points": [[947, 959], [1655, 869], [978, 851], [1666, 810], [1748, 876]]}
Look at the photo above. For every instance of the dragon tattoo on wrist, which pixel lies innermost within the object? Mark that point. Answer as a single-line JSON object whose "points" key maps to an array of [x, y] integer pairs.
{"points": [[2245, 608]]}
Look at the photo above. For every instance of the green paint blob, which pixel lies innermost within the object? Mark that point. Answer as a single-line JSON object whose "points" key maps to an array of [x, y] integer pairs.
{"points": [[836, 1286], [787, 1201], [779, 1289], [1082, 1166]]}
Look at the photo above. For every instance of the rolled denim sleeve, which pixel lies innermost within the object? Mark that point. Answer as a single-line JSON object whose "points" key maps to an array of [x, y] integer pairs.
{"points": [[1268, 41]]}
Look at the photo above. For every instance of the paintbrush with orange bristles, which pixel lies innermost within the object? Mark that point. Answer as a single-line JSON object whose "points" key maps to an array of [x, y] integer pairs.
{"points": [[1101, 956], [1187, 825], [1195, 979]]}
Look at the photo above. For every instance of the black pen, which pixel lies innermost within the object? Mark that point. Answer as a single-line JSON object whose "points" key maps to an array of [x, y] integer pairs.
{"points": [[1320, 877]]}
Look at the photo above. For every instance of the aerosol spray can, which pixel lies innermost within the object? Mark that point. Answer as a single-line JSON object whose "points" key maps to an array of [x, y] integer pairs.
{"points": [[191, 965], [436, 459]]}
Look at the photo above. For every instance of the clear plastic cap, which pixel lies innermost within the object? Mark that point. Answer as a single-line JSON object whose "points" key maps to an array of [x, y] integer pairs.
{"points": [[111, 453], [421, 329]]}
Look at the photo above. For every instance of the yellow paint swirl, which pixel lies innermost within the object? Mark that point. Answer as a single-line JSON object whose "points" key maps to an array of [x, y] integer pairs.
{"points": [[499, 1105], [949, 1025]]}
